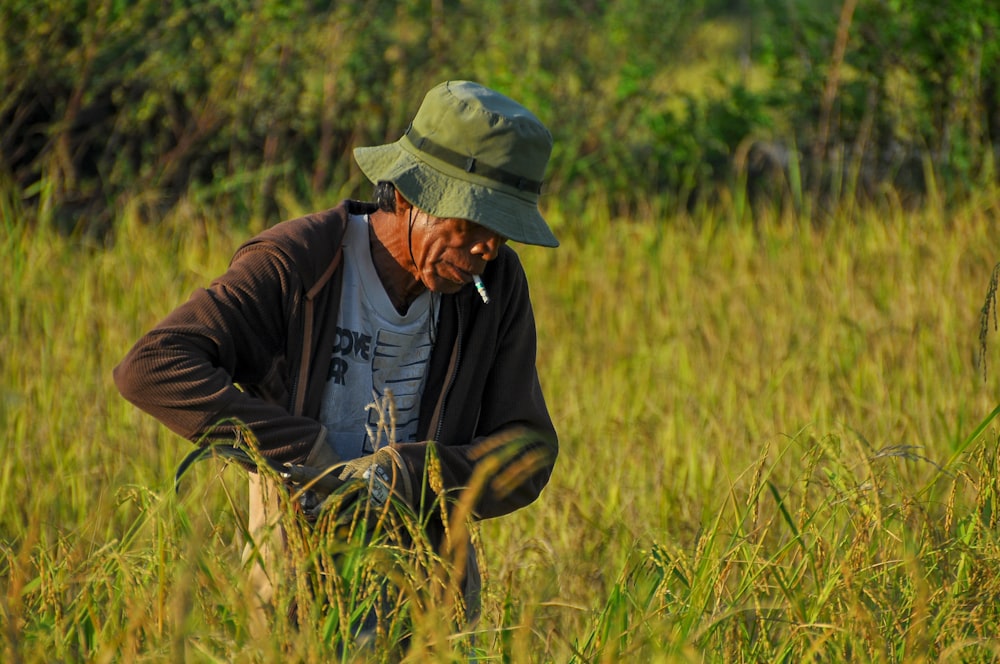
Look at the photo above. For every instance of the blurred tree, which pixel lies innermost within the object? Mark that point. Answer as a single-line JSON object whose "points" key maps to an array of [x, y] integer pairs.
{"points": [[917, 84], [234, 102]]}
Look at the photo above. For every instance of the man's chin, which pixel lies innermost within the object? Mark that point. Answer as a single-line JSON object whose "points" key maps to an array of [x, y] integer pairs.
{"points": [[446, 286]]}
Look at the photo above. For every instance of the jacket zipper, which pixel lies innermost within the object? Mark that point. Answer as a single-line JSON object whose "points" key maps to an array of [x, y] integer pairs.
{"points": [[451, 378], [299, 390], [302, 382]]}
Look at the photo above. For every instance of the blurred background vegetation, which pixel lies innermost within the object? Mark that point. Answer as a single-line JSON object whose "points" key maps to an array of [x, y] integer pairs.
{"points": [[247, 105]]}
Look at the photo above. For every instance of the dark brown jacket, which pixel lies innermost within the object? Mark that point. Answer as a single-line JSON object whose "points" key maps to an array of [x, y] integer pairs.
{"points": [[254, 349]]}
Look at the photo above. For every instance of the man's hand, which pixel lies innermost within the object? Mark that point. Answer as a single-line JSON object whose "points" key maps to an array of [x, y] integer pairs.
{"points": [[385, 473], [364, 509], [321, 459]]}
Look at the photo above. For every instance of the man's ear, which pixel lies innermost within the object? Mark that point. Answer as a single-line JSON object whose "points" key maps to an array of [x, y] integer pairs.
{"points": [[402, 205]]}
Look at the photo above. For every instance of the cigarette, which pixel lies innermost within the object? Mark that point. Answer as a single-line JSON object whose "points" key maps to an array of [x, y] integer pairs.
{"points": [[481, 288]]}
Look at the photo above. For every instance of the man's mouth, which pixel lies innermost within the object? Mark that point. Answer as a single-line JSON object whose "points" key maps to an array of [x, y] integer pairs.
{"points": [[463, 276]]}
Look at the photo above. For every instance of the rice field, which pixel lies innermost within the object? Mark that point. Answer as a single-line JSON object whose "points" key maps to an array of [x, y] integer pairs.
{"points": [[779, 442]]}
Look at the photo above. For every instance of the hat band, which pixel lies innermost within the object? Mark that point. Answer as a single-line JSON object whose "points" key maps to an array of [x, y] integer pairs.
{"points": [[470, 164]]}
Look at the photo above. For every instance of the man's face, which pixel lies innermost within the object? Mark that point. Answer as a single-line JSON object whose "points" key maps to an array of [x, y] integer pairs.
{"points": [[448, 252]]}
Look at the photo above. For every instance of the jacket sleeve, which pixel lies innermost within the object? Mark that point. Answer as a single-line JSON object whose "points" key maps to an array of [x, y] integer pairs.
{"points": [[509, 457], [191, 370]]}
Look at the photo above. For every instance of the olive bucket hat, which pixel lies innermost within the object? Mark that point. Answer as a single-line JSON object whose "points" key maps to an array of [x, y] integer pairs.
{"points": [[470, 153]]}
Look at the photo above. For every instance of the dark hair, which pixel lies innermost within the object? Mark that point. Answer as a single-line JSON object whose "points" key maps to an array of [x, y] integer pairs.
{"points": [[385, 196]]}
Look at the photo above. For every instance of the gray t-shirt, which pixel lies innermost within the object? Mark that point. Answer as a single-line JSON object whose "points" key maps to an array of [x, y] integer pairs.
{"points": [[377, 350]]}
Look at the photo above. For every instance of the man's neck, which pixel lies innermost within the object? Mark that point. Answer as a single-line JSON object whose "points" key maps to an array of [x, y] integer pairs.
{"points": [[393, 259]]}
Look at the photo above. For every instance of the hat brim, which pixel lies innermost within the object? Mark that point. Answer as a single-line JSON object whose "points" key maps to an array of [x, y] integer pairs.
{"points": [[430, 189]]}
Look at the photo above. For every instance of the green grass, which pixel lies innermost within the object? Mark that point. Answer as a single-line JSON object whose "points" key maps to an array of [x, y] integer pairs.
{"points": [[777, 445]]}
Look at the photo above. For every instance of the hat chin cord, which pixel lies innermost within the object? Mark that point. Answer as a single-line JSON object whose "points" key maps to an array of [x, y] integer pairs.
{"points": [[431, 317], [409, 240]]}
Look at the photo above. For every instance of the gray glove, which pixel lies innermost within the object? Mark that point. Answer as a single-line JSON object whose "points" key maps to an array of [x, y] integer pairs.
{"points": [[385, 473]]}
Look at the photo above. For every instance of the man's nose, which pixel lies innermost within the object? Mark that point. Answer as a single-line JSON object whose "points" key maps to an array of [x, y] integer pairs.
{"points": [[488, 246]]}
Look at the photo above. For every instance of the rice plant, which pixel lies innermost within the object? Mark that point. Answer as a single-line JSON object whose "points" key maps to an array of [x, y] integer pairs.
{"points": [[778, 443]]}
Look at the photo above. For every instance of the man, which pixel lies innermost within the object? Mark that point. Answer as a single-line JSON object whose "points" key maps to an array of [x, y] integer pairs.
{"points": [[416, 296]]}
